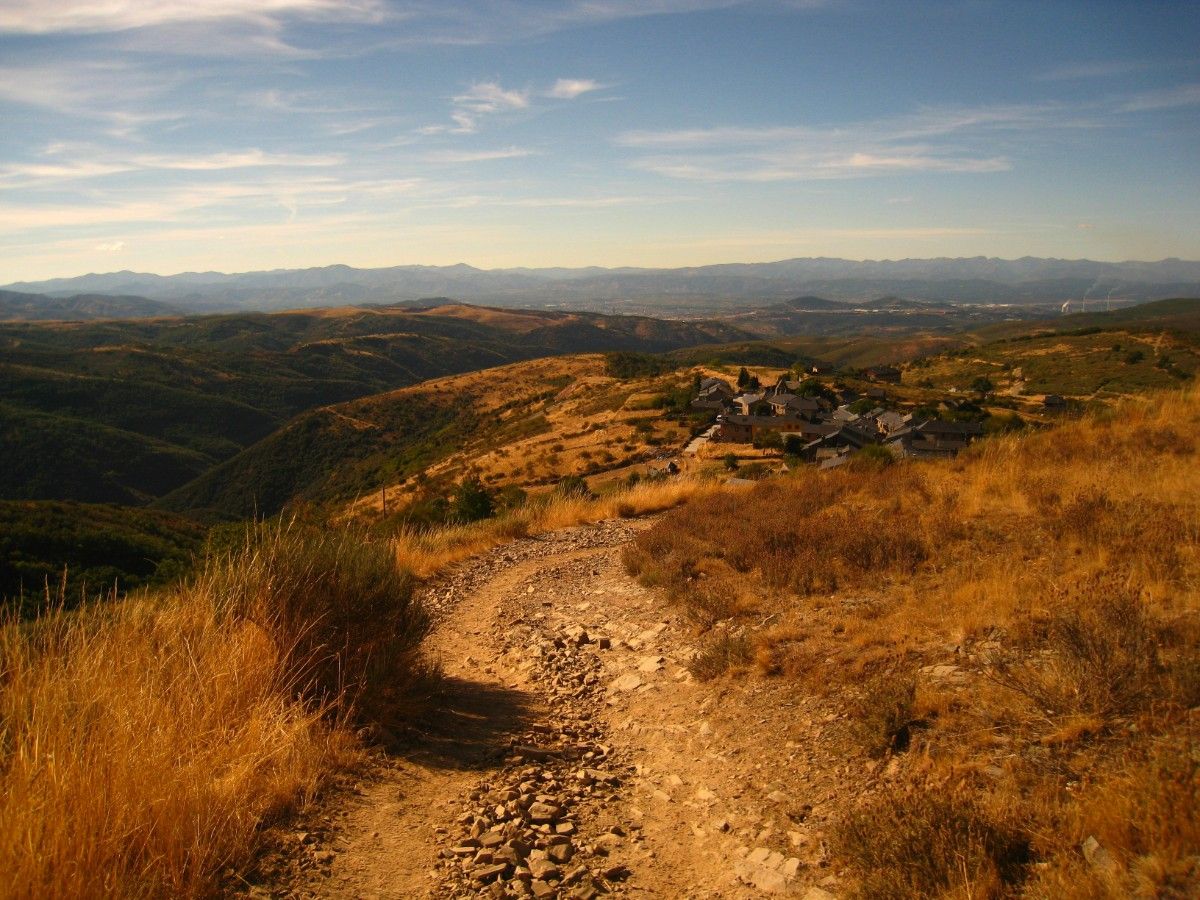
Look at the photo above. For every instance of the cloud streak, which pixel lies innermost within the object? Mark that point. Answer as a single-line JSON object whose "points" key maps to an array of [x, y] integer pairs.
{"points": [[570, 88], [76, 16], [947, 140]]}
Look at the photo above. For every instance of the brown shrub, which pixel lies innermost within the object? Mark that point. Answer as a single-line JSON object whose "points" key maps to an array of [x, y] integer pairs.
{"points": [[719, 654], [1096, 654], [341, 613], [927, 844], [883, 714]]}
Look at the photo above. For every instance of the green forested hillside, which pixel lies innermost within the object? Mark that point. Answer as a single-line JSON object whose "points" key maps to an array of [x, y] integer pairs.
{"points": [[101, 547], [124, 411]]}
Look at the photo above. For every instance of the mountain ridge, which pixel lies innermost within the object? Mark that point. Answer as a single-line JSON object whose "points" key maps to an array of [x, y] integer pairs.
{"points": [[966, 279]]}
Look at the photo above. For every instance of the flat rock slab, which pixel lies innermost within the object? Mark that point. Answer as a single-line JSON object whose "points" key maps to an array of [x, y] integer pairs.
{"points": [[627, 683]]}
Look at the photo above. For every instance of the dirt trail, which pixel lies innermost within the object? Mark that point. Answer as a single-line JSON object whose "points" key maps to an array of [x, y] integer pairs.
{"points": [[571, 754]]}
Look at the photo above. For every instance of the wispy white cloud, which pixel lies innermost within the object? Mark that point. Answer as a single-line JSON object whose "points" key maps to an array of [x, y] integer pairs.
{"points": [[1105, 68], [570, 88], [949, 140], [242, 159], [472, 156], [490, 97], [42, 17], [484, 98], [102, 164], [1166, 98], [110, 247]]}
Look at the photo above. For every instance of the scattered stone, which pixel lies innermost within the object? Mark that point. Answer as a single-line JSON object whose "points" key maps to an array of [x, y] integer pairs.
{"points": [[544, 869], [487, 873], [1097, 857], [627, 683]]}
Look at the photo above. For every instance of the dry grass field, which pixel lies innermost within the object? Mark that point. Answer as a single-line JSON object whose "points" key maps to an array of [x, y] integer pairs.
{"points": [[536, 423], [1015, 636]]}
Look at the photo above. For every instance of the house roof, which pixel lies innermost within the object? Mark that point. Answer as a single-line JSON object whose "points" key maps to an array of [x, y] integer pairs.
{"points": [[937, 426]]}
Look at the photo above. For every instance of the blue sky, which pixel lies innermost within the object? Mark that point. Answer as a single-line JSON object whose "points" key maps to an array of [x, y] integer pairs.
{"points": [[174, 135]]}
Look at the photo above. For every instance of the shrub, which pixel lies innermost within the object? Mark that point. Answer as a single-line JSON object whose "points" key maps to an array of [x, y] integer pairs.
{"points": [[146, 741], [874, 456], [926, 844], [720, 654], [769, 440], [572, 486], [883, 714], [471, 501], [730, 462], [1101, 653]]}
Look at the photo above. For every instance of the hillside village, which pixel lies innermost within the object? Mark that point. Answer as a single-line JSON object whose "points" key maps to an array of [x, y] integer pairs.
{"points": [[827, 425]]}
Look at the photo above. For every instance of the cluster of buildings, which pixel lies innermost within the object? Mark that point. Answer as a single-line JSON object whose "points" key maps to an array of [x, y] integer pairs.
{"points": [[821, 425]]}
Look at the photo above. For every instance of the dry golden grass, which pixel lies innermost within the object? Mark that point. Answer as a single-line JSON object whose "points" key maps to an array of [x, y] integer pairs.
{"points": [[427, 551], [146, 741], [1065, 566]]}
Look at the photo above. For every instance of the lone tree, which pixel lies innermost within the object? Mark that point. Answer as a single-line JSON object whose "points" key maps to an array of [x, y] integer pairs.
{"points": [[743, 378], [471, 502], [982, 385]]}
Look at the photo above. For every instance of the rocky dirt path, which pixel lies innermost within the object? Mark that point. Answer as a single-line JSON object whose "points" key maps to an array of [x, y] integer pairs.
{"points": [[571, 754]]}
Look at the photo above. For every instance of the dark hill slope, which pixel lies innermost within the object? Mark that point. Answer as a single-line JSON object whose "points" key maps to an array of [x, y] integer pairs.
{"points": [[101, 547], [338, 452], [124, 411], [1178, 314], [22, 306]]}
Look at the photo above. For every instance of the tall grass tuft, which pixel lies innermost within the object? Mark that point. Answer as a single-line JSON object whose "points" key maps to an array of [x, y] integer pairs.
{"points": [[342, 614], [144, 742]]}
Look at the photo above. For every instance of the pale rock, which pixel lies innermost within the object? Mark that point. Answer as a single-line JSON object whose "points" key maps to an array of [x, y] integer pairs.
{"points": [[627, 683]]}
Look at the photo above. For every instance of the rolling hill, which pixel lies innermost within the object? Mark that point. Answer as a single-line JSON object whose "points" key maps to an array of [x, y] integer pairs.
{"points": [[19, 306], [125, 411], [526, 424]]}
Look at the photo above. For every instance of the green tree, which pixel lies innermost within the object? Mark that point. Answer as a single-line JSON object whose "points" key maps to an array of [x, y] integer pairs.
{"points": [[743, 378], [769, 440], [471, 501]]}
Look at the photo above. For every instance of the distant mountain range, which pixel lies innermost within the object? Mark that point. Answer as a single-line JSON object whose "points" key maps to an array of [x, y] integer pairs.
{"points": [[1029, 280]]}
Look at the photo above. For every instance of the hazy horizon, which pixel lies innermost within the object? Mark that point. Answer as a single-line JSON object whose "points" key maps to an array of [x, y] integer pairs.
{"points": [[239, 136], [726, 262]]}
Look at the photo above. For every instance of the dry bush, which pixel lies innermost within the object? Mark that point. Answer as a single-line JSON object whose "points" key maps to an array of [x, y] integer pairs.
{"points": [[719, 654], [146, 741], [883, 715], [928, 844], [1146, 818], [427, 551], [805, 535], [1096, 654], [711, 600]]}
